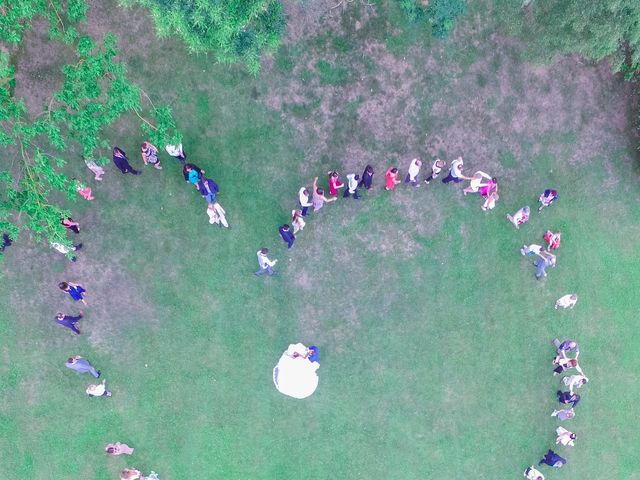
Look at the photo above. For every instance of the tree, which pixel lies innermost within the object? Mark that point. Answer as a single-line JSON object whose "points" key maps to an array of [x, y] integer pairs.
{"points": [[95, 93], [232, 29], [595, 29]]}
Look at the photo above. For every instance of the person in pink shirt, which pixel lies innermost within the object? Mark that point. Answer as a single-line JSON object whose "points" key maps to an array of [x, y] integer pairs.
{"points": [[334, 183], [392, 178], [83, 190]]}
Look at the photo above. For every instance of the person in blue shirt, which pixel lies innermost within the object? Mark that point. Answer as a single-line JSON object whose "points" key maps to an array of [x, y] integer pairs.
{"points": [[208, 189], [81, 365], [287, 235], [74, 290]]}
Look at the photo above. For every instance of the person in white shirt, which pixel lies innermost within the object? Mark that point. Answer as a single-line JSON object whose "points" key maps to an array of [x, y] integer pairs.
{"points": [[436, 168], [490, 201], [176, 151], [352, 186], [476, 182], [575, 381], [532, 250], [412, 173], [565, 437], [266, 265], [99, 390], [303, 197], [455, 172], [567, 301], [65, 250], [297, 221], [217, 214], [533, 474]]}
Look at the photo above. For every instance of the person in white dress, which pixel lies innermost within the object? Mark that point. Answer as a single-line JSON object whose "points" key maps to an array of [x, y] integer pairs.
{"points": [[565, 437], [575, 381], [216, 215], [532, 474], [297, 221], [567, 301]]}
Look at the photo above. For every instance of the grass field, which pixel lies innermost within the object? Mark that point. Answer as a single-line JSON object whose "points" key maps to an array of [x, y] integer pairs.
{"points": [[434, 334]]}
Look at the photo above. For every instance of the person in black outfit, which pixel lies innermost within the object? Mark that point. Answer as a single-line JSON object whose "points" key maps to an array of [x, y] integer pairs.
{"points": [[568, 398], [552, 459], [287, 235], [6, 242], [122, 162], [367, 177]]}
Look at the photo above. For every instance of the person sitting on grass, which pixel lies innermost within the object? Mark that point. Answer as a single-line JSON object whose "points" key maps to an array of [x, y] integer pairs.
{"points": [[566, 414], [115, 449], [552, 459], [533, 474], [552, 239], [567, 301], [565, 437]]}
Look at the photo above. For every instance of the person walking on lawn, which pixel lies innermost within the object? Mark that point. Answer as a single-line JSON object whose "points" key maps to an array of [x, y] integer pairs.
{"points": [[68, 321], [266, 265], [287, 235], [74, 290], [352, 186], [455, 172], [122, 162], [412, 173], [81, 365]]}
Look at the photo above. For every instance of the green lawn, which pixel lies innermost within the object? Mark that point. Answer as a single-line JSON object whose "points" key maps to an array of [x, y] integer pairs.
{"points": [[434, 334]]}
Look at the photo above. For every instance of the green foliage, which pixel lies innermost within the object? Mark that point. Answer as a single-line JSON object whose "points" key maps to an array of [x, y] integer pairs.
{"points": [[332, 75], [16, 16], [440, 15], [232, 29], [95, 93]]}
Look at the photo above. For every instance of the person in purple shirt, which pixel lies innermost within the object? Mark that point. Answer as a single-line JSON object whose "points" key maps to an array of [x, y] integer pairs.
{"points": [[552, 459], [208, 189], [68, 321], [74, 290], [81, 365], [566, 346], [287, 235]]}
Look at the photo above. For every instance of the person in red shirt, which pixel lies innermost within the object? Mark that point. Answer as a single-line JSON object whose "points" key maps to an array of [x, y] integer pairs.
{"points": [[334, 183], [392, 178], [553, 239]]}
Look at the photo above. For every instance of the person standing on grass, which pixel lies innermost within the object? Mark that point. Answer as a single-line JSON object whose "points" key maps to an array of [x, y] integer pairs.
{"points": [[84, 191], [97, 170], [118, 448], [74, 290], [552, 459], [208, 189], [266, 265], [567, 301], [562, 415], [455, 172], [334, 183], [99, 390], [520, 217], [477, 182], [318, 199], [575, 381], [65, 250], [547, 198], [490, 201], [352, 186], [436, 168], [567, 346], [533, 474], [564, 364], [217, 214], [297, 221], [303, 197], [177, 152], [192, 173], [122, 162], [391, 178], [544, 262], [568, 398], [287, 235], [68, 321], [81, 365], [565, 437], [532, 250], [5, 242], [70, 224], [412, 173], [367, 177], [150, 155]]}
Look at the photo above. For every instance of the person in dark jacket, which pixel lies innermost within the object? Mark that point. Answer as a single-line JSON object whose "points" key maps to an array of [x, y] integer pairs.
{"points": [[552, 459], [568, 398], [287, 235], [367, 177], [5, 242], [208, 189], [68, 321], [74, 290], [122, 162]]}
